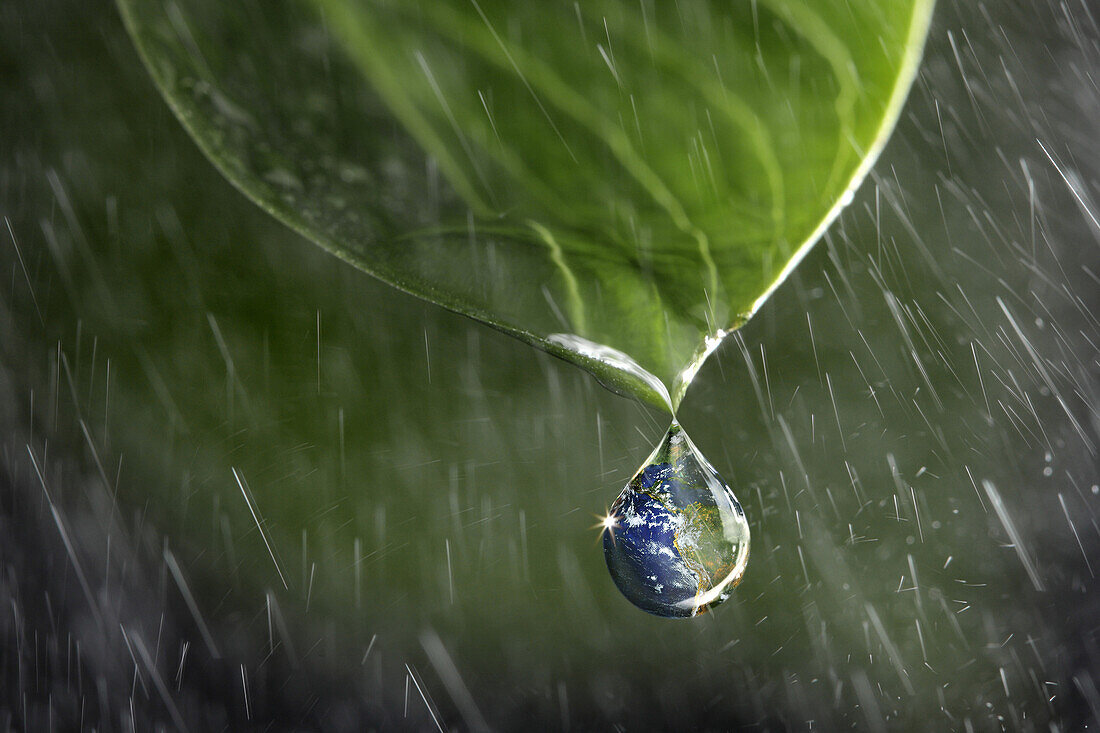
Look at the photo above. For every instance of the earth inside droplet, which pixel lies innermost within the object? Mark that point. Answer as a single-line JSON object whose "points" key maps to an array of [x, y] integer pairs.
{"points": [[676, 540]]}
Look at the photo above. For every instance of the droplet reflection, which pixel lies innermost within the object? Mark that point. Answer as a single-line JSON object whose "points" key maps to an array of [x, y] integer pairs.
{"points": [[676, 540]]}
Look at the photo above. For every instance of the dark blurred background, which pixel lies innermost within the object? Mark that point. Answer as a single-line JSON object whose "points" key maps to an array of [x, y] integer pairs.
{"points": [[244, 486]]}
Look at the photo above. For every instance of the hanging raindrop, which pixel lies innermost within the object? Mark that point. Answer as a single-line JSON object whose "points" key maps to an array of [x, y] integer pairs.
{"points": [[676, 540]]}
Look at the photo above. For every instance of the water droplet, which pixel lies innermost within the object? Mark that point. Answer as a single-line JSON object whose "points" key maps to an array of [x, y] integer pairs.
{"points": [[676, 540]]}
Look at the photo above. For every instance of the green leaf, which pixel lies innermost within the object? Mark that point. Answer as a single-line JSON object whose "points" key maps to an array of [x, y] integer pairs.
{"points": [[621, 184]]}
